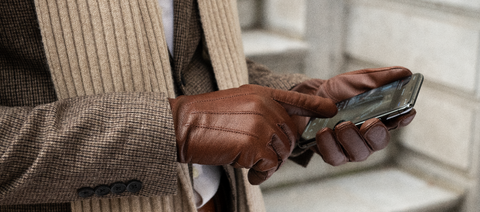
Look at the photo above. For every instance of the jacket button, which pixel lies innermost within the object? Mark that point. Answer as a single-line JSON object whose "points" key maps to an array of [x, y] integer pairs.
{"points": [[134, 186], [102, 190], [118, 188], [85, 192]]}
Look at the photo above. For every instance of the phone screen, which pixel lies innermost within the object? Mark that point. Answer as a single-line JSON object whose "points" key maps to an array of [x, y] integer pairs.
{"points": [[380, 102]]}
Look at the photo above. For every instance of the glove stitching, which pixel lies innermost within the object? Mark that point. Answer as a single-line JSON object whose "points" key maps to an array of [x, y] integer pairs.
{"points": [[279, 158], [224, 130], [228, 113], [222, 98], [282, 127]]}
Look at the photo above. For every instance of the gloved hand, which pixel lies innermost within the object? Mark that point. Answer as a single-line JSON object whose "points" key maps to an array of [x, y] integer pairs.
{"points": [[247, 127], [347, 143]]}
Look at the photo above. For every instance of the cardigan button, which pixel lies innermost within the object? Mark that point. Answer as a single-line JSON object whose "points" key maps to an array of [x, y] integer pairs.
{"points": [[134, 186], [102, 190], [85, 192], [118, 188]]}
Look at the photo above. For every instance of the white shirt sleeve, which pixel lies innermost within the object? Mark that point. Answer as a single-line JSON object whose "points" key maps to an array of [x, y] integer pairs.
{"points": [[206, 180], [167, 19]]}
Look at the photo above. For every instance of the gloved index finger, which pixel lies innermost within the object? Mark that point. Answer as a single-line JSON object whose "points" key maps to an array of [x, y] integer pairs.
{"points": [[305, 105]]}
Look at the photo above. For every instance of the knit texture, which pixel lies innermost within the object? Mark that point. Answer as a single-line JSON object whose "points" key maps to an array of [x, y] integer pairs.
{"points": [[223, 37], [102, 46]]}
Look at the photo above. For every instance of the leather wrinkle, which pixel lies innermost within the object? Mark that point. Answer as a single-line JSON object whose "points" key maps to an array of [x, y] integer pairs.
{"points": [[292, 141]]}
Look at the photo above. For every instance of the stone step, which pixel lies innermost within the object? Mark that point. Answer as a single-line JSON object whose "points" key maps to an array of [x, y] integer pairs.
{"points": [[280, 53], [384, 190]]}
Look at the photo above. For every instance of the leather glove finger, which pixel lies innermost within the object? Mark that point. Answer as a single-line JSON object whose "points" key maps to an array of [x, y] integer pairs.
{"points": [[305, 105], [347, 143], [401, 121], [262, 170], [307, 87], [329, 148], [350, 84]]}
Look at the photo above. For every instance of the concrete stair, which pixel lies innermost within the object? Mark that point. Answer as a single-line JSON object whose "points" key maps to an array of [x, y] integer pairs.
{"points": [[383, 190]]}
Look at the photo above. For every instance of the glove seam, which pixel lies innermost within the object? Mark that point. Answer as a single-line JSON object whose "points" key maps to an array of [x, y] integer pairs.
{"points": [[215, 99], [279, 158], [223, 129], [228, 113]]}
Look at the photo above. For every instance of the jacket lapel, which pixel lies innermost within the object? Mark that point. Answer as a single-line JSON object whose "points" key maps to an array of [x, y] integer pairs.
{"points": [[187, 34]]}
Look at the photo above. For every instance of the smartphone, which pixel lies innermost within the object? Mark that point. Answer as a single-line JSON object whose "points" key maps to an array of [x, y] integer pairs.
{"points": [[384, 102]]}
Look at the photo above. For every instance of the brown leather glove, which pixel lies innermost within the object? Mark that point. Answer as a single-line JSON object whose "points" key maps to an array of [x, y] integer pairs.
{"points": [[348, 143], [247, 127]]}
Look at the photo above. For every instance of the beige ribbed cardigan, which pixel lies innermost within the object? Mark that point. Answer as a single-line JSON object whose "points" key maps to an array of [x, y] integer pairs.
{"points": [[104, 46]]}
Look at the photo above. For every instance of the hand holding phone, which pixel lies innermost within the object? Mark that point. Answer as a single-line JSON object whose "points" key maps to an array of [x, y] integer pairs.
{"points": [[384, 103], [347, 142]]}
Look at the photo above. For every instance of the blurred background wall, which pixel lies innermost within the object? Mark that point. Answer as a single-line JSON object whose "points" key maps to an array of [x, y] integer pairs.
{"points": [[433, 164]]}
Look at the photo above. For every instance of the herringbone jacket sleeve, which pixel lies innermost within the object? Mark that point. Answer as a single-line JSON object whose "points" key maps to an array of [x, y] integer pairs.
{"points": [[50, 151], [260, 75]]}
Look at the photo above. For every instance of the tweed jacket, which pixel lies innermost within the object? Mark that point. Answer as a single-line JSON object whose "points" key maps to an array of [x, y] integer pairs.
{"points": [[51, 146]]}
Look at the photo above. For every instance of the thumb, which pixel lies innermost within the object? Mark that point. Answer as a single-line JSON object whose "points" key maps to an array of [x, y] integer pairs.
{"points": [[305, 105], [350, 84]]}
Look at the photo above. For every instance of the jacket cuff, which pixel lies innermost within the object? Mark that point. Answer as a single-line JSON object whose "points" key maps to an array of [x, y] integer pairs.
{"points": [[56, 150]]}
